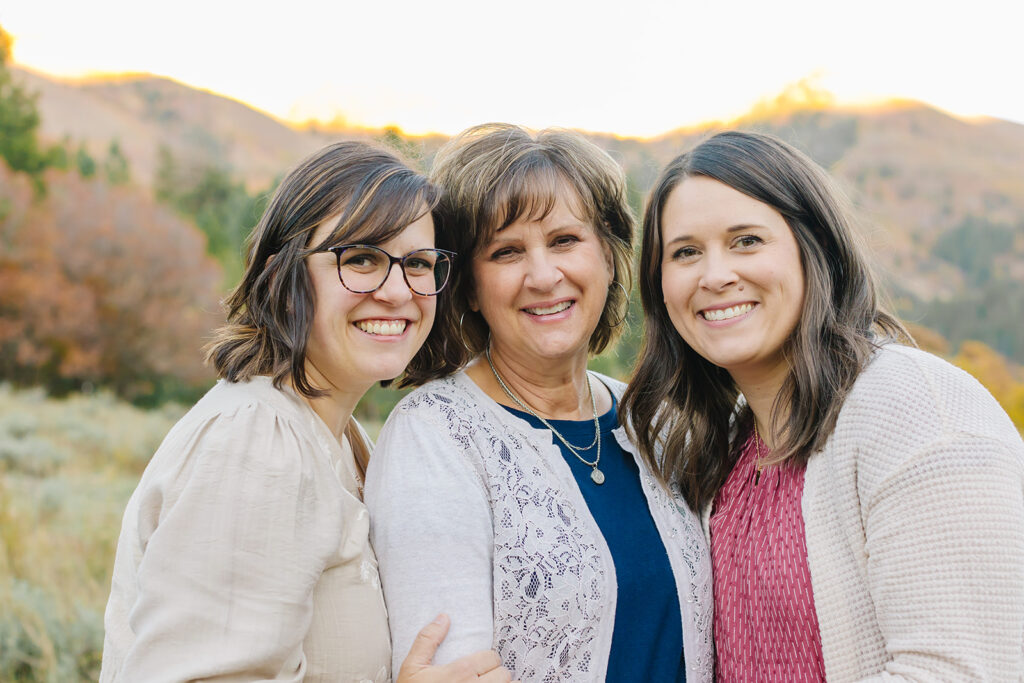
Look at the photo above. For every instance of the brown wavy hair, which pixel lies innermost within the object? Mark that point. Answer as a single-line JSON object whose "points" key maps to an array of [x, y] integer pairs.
{"points": [[495, 174], [373, 195], [681, 409]]}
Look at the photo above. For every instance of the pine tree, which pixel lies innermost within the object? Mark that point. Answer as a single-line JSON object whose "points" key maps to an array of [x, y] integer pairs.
{"points": [[19, 121]]}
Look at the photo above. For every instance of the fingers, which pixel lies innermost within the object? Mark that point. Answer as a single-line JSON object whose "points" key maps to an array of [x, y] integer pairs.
{"points": [[484, 665], [499, 675], [426, 643]]}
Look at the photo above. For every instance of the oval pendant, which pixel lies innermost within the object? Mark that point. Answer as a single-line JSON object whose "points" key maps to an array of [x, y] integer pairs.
{"points": [[597, 476]]}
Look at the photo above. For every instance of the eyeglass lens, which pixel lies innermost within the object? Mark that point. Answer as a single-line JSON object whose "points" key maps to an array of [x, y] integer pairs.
{"points": [[365, 268]]}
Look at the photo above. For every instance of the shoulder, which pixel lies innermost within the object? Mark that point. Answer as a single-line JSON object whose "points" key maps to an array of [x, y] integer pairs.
{"points": [[907, 402], [439, 401], [910, 388], [245, 401], [251, 426], [244, 451], [615, 386]]}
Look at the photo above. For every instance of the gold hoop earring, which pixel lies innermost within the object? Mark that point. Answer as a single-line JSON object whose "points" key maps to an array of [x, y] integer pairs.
{"points": [[625, 314]]}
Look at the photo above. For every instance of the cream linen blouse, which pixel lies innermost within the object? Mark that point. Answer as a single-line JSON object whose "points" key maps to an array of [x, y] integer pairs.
{"points": [[244, 552]]}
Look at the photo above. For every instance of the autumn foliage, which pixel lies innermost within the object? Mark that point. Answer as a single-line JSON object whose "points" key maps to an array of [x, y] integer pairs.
{"points": [[99, 285]]}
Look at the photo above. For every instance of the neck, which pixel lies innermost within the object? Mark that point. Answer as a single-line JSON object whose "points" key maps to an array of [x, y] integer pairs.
{"points": [[761, 391], [336, 407], [557, 391]]}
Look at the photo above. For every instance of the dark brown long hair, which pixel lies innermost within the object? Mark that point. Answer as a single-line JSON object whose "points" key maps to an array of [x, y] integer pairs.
{"points": [[373, 196], [682, 409], [494, 174]]}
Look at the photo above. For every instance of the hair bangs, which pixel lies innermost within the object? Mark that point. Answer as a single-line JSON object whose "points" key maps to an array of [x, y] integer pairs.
{"points": [[529, 191], [381, 208]]}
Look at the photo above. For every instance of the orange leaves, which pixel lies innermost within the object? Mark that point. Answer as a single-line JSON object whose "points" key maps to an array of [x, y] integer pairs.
{"points": [[100, 284]]}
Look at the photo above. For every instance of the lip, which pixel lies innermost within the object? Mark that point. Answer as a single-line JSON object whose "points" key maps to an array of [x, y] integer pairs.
{"points": [[721, 307], [560, 315]]}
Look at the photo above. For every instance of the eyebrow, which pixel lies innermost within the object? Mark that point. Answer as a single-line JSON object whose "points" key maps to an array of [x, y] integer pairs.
{"points": [[735, 228], [563, 226]]}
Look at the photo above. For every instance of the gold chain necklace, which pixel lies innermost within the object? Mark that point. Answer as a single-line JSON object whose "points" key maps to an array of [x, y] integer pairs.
{"points": [[596, 475], [758, 465]]}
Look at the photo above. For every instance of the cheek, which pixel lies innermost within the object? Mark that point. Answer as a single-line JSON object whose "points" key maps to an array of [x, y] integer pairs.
{"points": [[428, 307], [674, 291]]}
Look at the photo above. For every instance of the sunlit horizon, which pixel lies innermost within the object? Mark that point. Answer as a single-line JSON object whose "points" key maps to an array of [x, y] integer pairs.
{"points": [[638, 71]]}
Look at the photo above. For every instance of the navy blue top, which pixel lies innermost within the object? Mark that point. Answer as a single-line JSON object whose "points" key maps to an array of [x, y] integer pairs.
{"points": [[647, 643]]}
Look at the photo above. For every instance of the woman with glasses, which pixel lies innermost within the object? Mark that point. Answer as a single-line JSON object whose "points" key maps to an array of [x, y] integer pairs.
{"points": [[864, 499], [244, 551], [505, 490]]}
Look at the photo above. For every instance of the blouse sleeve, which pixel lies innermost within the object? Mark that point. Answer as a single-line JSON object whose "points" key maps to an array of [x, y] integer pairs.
{"points": [[945, 545], [431, 529], [234, 538]]}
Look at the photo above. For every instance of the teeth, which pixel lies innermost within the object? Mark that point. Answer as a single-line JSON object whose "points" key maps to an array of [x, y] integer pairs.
{"points": [[726, 313], [550, 309], [382, 327]]}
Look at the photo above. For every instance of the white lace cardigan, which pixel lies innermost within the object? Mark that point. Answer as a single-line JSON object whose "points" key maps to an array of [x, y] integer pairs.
{"points": [[475, 513]]}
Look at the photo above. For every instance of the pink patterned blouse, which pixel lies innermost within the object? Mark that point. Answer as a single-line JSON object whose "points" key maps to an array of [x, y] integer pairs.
{"points": [[766, 628]]}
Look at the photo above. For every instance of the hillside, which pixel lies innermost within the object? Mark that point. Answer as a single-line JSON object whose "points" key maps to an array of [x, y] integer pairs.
{"points": [[145, 112], [941, 198]]}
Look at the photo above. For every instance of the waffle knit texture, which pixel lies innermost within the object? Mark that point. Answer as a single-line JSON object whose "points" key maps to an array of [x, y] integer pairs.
{"points": [[914, 513]]}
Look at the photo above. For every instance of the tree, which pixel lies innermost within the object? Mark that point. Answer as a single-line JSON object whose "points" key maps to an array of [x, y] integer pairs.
{"points": [[84, 162], [98, 284], [215, 200], [19, 121], [116, 168]]}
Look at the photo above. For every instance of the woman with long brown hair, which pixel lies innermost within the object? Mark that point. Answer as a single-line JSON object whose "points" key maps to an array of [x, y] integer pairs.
{"points": [[244, 553], [864, 499]]}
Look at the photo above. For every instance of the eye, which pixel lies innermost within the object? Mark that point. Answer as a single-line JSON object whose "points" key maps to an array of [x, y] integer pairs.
{"points": [[418, 264], [360, 259], [685, 253], [565, 240], [504, 254], [748, 241]]}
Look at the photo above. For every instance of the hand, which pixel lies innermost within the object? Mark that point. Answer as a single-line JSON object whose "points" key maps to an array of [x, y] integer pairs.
{"points": [[483, 667]]}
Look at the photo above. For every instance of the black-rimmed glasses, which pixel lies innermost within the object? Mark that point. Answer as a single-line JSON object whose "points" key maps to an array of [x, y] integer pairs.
{"points": [[363, 268]]}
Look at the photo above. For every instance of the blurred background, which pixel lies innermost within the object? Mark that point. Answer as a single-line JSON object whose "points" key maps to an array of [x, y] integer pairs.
{"points": [[139, 144]]}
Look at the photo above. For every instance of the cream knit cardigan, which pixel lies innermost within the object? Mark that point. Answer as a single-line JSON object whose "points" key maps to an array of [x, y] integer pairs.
{"points": [[914, 514]]}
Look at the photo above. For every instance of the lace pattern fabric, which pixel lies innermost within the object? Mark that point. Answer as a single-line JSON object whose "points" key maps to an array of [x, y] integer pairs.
{"points": [[553, 578]]}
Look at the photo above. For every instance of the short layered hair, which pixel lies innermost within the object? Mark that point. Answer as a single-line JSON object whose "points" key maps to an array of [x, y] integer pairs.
{"points": [[495, 174], [373, 195]]}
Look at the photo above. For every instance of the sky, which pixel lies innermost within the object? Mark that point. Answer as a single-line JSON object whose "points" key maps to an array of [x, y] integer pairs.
{"points": [[633, 67]]}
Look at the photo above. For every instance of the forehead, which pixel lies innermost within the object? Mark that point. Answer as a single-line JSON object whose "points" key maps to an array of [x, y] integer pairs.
{"points": [[700, 203], [379, 230], [541, 197]]}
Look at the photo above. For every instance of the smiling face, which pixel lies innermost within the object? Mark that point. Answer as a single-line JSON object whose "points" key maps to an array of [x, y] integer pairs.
{"points": [[541, 285], [731, 277], [358, 339]]}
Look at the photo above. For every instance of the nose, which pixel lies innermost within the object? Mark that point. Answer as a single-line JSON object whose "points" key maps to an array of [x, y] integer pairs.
{"points": [[718, 272], [543, 271], [394, 290]]}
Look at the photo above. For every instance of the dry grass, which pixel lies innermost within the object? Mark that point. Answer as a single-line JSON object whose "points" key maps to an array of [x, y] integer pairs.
{"points": [[67, 468]]}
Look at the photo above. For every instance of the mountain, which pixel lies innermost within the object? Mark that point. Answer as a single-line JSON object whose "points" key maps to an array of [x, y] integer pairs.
{"points": [[941, 198], [144, 112]]}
